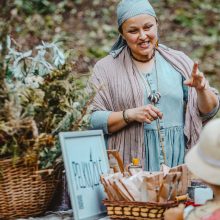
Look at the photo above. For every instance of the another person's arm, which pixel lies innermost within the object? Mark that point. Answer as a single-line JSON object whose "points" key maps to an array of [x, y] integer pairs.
{"points": [[176, 213]]}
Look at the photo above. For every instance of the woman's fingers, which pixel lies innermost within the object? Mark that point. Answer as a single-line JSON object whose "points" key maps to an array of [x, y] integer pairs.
{"points": [[195, 69], [152, 113], [194, 75], [197, 79], [148, 118], [157, 111], [203, 83], [146, 114], [188, 82], [148, 121]]}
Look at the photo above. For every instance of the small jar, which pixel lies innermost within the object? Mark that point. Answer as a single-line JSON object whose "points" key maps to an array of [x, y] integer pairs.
{"points": [[134, 167]]}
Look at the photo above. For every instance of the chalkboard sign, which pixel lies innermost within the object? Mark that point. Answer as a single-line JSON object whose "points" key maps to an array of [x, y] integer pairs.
{"points": [[85, 159]]}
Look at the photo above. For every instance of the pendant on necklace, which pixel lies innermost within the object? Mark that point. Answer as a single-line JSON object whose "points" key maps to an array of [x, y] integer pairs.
{"points": [[154, 97]]}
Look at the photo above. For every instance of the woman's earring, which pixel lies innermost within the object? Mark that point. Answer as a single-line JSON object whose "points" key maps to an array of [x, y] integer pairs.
{"points": [[157, 43]]}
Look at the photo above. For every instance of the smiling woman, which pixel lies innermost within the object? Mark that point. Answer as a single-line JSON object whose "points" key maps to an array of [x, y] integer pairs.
{"points": [[153, 100], [140, 33]]}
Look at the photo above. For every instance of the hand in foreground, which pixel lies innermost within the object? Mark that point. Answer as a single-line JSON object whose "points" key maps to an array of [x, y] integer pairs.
{"points": [[147, 113], [174, 213], [197, 79]]}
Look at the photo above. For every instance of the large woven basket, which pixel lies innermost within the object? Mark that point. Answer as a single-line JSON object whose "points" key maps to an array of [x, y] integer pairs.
{"points": [[23, 191], [137, 210]]}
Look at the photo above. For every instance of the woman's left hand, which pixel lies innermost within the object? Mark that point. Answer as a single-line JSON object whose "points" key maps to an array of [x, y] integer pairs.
{"points": [[197, 79]]}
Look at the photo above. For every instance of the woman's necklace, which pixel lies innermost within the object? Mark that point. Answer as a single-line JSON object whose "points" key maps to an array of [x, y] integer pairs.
{"points": [[154, 97], [143, 61]]}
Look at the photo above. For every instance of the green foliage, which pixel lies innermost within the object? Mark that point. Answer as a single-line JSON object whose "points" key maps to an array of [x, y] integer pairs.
{"points": [[97, 52], [46, 96], [25, 67], [35, 6]]}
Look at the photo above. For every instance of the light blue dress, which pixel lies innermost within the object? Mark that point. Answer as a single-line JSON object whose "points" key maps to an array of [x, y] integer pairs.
{"points": [[173, 98], [171, 104]]}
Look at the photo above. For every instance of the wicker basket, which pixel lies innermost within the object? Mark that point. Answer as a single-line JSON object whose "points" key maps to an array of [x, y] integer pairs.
{"points": [[137, 210], [23, 191]]}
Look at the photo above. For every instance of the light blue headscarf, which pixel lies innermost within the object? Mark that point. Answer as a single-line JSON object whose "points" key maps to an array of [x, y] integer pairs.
{"points": [[127, 9]]}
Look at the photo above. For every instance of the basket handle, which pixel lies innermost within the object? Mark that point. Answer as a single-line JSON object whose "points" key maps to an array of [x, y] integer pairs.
{"points": [[117, 156]]}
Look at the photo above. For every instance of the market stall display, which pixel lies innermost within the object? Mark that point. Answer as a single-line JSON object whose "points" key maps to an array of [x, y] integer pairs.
{"points": [[144, 195]]}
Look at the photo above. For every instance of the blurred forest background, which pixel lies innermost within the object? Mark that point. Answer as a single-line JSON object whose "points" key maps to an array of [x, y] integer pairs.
{"points": [[87, 28]]}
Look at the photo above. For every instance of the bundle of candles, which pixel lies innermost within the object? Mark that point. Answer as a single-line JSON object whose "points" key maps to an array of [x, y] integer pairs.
{"points": [[144, 186]]}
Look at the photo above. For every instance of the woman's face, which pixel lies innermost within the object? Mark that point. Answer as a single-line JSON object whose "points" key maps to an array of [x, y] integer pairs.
{"points": [[140, 33]]}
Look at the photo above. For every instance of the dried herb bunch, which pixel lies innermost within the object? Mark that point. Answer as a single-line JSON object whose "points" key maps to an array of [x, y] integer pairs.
{"points": [[43, 95]]}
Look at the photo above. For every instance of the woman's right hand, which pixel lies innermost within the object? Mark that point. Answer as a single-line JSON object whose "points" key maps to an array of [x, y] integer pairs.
{"points": [[147, 113]]}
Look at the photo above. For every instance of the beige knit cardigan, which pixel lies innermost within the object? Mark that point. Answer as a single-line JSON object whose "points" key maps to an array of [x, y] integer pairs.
{"points": [[121, 90]]}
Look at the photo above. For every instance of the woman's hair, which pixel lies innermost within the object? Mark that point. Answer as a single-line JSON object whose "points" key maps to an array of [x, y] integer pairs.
{"points": [[120, 29]]}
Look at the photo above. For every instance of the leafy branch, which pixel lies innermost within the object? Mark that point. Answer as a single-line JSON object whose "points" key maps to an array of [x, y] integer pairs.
{"points": [[46, 96]]}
